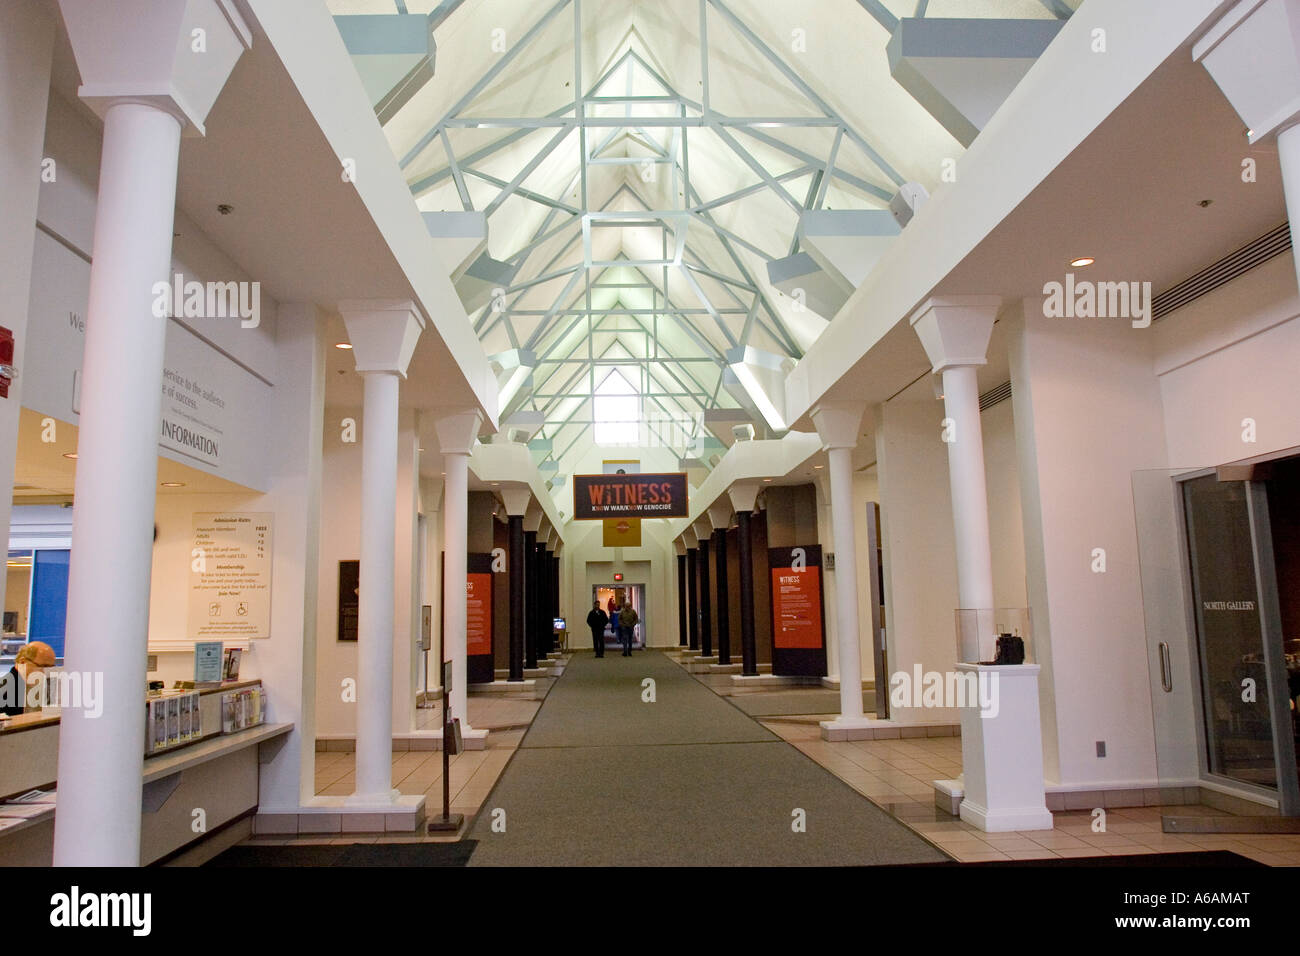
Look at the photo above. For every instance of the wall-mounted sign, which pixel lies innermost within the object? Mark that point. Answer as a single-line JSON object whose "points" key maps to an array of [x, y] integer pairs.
{"points": [[478, 614], [798, 633], [207, 662], [621, 533], [629, 496], [230, 576], [212, 412], [349, 599]]}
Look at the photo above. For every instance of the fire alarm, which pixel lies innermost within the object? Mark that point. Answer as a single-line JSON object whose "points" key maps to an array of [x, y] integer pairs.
{"points": [[618, 577], [7, 371]]}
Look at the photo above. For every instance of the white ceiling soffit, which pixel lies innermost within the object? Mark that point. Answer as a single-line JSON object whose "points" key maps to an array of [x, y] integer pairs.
{"points": [[633, 229]]}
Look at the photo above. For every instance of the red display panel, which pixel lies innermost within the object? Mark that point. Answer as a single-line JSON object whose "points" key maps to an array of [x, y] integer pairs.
{"points": [[797, 607], [478, 614]]}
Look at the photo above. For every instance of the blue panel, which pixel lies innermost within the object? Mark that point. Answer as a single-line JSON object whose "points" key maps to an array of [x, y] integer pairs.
{"points": [[385, 34], [49, 610]]}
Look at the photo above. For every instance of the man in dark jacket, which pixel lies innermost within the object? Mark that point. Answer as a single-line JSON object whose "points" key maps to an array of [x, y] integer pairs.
{"points": [[597, 620], [627, 619]]}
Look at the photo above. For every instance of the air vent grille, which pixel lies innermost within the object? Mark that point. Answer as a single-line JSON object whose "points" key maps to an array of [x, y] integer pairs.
{"points": [[1255, 253], [995, 395]]}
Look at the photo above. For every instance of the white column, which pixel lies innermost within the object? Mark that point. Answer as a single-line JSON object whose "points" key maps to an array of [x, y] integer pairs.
{"points": [[383, 334], [457, 433], [1253, 54], [101, 759], [955, 332], [131, 75], [375, 606], [838, 424]]}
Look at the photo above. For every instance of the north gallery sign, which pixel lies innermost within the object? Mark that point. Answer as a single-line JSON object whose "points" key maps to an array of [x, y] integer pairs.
{"points": [[629, 496]]}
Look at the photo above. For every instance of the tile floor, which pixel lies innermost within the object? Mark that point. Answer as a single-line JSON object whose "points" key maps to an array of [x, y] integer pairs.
{"points": [[896, 775], [471, 774]]}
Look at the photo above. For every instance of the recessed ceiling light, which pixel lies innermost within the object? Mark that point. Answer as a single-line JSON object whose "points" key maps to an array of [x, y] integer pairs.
{"points": [[70, 455], [767, 479], [173, 484], [819, 466], [1082, 261], [343, 345]]}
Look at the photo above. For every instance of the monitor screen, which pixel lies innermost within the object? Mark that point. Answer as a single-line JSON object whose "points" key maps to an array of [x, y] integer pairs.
{"points": [[558, 624]]}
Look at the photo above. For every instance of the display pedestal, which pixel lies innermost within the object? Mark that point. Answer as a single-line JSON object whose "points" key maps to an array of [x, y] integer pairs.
{"points": [[1002, 754]]}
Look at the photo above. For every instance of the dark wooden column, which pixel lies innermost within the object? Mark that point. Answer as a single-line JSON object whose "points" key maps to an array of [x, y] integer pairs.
{"points": [[706, 603], [693, 597], [724, 597], [682, 634], [748, 650], [531, 598], [516, 571]]}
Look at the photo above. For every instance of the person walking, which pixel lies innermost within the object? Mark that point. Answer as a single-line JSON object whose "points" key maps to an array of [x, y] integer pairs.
{"points": [[627, 619], [597, 620]]}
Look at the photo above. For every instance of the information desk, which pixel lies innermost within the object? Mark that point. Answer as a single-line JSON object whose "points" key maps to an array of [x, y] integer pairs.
{"points": [[188, 791]]}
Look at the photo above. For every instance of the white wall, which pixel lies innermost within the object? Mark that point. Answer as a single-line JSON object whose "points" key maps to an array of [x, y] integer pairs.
{"points": [[1006, 526], [1088, 414], [919, 550], [26, 47], [1230, 355], [340, 540]]}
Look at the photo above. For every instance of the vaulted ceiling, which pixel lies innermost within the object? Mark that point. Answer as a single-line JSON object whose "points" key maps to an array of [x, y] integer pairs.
{"points": [[639, 163]]}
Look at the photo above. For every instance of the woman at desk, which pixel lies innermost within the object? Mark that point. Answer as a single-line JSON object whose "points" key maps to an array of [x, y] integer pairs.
{"points": [[33, 658]]}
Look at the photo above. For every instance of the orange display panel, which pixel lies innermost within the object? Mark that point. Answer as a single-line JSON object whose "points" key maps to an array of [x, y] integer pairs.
{"points": [[478, 614], [796, 608]]}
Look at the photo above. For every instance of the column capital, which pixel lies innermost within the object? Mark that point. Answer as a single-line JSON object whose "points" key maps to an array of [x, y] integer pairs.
{"points": [[702, 528], [744, 496], [689, 538], [457, 430], [1252, 54], [175, 55], [955, 329], [383, 333], [720, 514], [516, 500], [533, 516], [679, 547], [838, 423]]}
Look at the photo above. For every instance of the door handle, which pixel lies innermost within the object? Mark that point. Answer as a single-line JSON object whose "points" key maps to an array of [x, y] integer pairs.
{"points": [[1166, 671]]}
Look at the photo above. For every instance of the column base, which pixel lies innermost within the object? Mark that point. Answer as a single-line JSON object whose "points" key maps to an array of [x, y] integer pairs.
{"points": [[401, 814], [386, 799], [472, 738], [525, 688], [833, 683], [761, 681], [1000, 821], [852, 728]]}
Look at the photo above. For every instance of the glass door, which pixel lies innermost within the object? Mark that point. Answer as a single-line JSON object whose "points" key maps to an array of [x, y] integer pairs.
{"points": [[1230, 630], [1220, 687]]}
